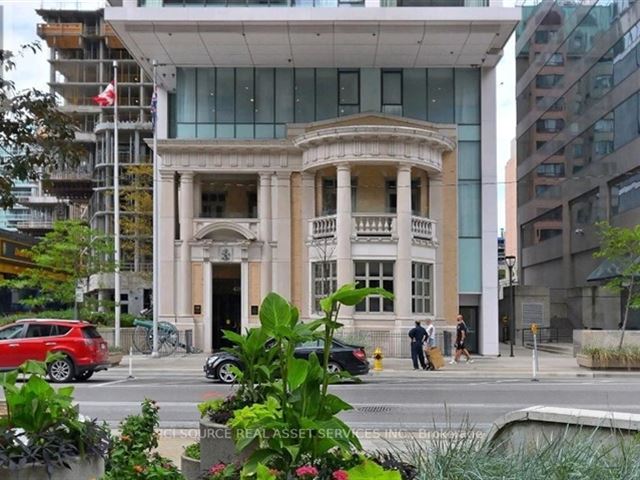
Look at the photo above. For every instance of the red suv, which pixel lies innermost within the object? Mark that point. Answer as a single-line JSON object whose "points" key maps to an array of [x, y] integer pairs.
{"points": [[84, 349]]}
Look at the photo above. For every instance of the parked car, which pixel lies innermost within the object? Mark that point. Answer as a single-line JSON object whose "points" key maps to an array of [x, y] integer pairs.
{"points": [[84, 350], [343, 357]]}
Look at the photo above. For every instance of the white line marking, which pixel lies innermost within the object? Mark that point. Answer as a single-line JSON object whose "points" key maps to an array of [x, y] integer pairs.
{"points": [[108, 383]]}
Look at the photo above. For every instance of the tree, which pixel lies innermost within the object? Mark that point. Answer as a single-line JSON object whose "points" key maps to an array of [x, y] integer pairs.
{"points": [[621, 246], [136, 224], [64, 258], [35, 136]]}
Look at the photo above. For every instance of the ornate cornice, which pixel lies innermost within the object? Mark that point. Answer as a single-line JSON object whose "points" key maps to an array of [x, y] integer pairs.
{"points": [[420, 147]]}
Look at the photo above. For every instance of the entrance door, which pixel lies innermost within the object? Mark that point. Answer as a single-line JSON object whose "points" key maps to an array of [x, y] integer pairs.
{"points": [[470, 315], [225, 304]]}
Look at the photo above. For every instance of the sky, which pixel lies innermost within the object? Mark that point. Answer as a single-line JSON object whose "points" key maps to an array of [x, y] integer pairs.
{"points": [[19, 28]]}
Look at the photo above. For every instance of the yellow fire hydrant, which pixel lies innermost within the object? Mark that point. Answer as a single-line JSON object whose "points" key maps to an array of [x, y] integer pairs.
{"points": [[377, 360]]}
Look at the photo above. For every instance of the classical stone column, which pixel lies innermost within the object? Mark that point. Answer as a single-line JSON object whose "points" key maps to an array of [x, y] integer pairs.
{"points": [[185, 206], [308, 199], [166, 245], [436, 199], [281, 189], [264, 215], [344, 263], [402, 283]]}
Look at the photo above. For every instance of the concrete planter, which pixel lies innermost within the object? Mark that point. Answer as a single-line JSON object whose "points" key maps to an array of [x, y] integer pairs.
{"points": [[190, 467], [88, 468], [587, 361], [115, 358], [216, 445]]}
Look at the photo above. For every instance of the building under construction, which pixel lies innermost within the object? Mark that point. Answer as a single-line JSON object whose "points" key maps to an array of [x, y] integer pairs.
{"points": [[82, 50]]}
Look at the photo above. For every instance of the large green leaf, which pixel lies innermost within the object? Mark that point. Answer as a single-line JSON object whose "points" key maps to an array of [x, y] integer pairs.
{"points": [[335, 404], [274, 310], [350, 295], [297, 372], [369, 470], [233, 337]]}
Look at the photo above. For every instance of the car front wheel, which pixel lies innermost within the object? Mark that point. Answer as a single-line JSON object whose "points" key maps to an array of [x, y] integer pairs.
{"points": [[61, 370], [225, 374]]}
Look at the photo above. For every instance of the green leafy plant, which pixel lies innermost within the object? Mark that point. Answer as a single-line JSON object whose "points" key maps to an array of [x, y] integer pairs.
{"points": [[192, 451], [42, 425], [132, 455], [626, 355], [368, 469], [256, 356], [298, 421], [621, 246]]}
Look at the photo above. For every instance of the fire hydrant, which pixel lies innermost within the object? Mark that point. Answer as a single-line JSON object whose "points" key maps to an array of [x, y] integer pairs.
{"points": [[377, 360]]}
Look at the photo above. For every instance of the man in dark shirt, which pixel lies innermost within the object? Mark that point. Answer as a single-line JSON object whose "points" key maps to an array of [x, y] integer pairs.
{"points": [[418, 336], [461, 336]]}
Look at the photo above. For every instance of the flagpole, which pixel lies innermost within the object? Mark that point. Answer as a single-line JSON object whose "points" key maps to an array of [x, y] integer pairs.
{"points": [[116, 206], [156, 292]]}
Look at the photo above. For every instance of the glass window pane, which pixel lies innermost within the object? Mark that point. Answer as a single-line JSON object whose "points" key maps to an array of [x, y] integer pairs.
{"points": [[186, 95], [440, 95], [387, 305], [225, 131], [186, 130], [414, 94], [470, 266], [264, 131], [374, 269], [244, 130], [469, 209], [361, 269], [225, 95], [388, 285], [327, 93], [244, 95], [387, 269], [469, 160], [374, 283], [392, 88], [370, 80], [206, 130], [284, 97], [206, 99], [304, 94], [349, 88], [264, 101], [374, 304], [467, 95]]}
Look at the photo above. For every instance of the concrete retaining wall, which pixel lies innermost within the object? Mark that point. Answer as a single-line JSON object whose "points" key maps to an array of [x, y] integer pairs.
{"points": [[532, 428], [603, 338]]}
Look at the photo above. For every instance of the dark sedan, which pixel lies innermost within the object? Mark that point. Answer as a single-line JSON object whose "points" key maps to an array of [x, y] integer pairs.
{"points": [[344, 357]]}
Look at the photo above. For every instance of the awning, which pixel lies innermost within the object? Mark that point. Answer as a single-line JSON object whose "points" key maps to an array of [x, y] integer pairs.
{"points": [[607, 270]]}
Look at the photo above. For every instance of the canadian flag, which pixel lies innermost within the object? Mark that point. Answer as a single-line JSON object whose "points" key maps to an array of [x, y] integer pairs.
{"points": [[107, 97]]}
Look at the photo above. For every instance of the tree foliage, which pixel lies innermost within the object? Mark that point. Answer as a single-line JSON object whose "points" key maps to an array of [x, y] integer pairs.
{"points": [[136, 224], [621, 246], [34, 134], [66, 256]]}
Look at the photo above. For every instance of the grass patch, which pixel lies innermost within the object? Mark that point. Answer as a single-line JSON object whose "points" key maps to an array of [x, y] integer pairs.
{"points": [[192, 451], [629, 354]]}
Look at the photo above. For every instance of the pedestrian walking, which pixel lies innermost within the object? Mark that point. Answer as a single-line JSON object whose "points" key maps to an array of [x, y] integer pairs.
{"points": [[418, 335], [461, 336], [430, 343]]}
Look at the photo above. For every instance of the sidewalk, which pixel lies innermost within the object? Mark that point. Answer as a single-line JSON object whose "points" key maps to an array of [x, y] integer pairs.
{"points": [[551, 365]]}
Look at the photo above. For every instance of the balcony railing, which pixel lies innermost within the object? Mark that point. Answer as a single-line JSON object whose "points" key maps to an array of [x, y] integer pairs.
{"points": [[423, 228], [365, 225], [371, 226], [323, 227]]}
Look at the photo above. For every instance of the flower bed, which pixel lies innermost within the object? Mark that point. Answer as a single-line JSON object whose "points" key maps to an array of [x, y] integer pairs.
{"points": [[600, 358]]}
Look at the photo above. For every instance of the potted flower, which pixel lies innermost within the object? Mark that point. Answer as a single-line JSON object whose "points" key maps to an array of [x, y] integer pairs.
{"points": [[190, 462], [115, 355], [42, 435], [254, 380]]}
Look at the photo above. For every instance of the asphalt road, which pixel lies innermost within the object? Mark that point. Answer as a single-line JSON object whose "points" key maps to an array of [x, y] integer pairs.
{"points": [[380, 403]]}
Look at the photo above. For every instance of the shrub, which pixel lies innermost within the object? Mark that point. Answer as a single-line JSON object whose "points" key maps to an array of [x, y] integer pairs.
{"points": [[606, 354], [42, 425], [132, 455], [192, 451]]}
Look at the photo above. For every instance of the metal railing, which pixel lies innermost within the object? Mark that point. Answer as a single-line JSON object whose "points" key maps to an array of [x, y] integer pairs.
{"points": [[546, 335]]}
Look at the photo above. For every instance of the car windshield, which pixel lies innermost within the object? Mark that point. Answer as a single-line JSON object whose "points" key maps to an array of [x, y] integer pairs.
{"points": [[12, 331]]}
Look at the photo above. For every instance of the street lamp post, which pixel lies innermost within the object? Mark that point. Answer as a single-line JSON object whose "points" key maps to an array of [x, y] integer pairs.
{"points": [[510, 260]]}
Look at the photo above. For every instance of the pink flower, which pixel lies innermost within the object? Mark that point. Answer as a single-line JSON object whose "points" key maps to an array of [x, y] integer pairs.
{"points": [[217, 468], [306, 470], [340, 475]]}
